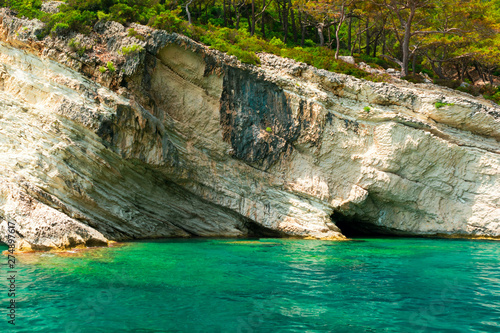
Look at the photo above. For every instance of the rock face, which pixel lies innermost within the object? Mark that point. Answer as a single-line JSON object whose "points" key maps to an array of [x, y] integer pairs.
{"points": [[185, 141]]}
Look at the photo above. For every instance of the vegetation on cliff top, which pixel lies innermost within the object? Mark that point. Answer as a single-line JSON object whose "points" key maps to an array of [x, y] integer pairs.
{"points": [[452, 41]]}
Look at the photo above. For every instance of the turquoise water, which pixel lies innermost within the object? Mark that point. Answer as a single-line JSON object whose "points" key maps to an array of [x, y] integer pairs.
{"points": [[272, 285]]}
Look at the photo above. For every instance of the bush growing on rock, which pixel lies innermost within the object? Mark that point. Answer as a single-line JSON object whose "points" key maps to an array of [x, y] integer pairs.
{"points": [[132, 33], [26, 8], [277, 42], [453, 84], [439, 105], [60, 28], [77, 47], [132, 49], [414, 78], [111, 66]]}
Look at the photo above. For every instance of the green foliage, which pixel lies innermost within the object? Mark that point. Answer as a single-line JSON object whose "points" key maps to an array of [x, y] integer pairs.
{"points": [[491, 93], [277, 42], [77, 47], [132, 33], [374, 62], [102, 69], [309, 43], [488, 89], [495, 98], [111, 67], [324, 58], [439, 105], [60, 28], [102, 16], [379, 77], [428, 72], [132, 49], [269, 129], [235, 42], [27, 8], [123, 13], [75, 19], [367, 109], [453, 84], [81, 51], [74, 44], [473, 90], [414, 78], [169, 21]]}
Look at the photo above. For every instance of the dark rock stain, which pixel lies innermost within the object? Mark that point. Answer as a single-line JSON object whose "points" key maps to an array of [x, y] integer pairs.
{"points": [[352, 125], [256, 118]]}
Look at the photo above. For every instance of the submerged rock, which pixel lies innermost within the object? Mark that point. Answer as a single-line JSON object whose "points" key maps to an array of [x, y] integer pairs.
{"points": [[185, 141]]}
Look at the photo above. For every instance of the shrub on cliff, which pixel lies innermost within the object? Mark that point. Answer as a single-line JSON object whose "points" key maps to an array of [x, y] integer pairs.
{"points": [[74, 19], [132, 49], [490, 92], [60, 28], [26, 8], [168, 20], [453, 84]]}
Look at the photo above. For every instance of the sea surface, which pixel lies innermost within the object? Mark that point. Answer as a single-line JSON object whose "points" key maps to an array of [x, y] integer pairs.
{"points": [[267, 285]]}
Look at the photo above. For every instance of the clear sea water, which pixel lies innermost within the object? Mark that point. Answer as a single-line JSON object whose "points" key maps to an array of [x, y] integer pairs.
{"points": [[268, 285]]}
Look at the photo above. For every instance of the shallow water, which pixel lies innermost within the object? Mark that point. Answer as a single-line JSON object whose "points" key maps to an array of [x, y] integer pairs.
{"points": [[271, 285]]}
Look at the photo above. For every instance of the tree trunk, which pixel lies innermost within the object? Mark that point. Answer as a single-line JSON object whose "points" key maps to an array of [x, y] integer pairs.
{"points": [[375, 45], [237, 13], [406, 43], [303, 38], [252, 28], [459, 72], [321, 35], [337, 30], [329, 38], [302, 30], [383, 41], [468, 74], [406, 52], [294, 26], [437, 70], [285, 22], [263, 19], [367, 49], [224, 12], [187, 11], [349, 33]]}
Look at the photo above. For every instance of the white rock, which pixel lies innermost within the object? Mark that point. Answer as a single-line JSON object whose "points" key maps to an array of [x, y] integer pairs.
{"points": [[348, 59]]}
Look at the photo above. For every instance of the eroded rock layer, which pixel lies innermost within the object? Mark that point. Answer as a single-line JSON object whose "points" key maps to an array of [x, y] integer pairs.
{"points": [[185, 141]]}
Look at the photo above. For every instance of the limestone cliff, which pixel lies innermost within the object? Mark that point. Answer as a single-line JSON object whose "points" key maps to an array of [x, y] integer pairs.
{"points": [[185, 141]]}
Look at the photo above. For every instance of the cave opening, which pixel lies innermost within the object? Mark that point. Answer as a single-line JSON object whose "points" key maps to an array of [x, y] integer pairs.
{"points": [[352, 227], [256, 230]]}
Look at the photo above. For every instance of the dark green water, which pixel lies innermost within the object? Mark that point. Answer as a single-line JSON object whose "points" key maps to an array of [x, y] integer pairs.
{"points": [[372, 285]]}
